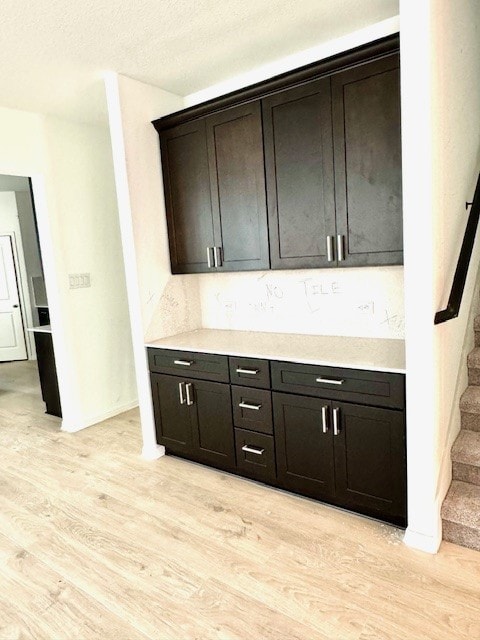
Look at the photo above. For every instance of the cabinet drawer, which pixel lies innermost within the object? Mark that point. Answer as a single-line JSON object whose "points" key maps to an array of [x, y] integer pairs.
{"points": [[250, 372], [206, 366], [255, 455], [363, 387], [252, 409]]}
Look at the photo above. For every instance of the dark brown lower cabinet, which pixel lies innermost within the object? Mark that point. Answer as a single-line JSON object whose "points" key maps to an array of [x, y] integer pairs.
{"points": [[304, 451], [193, 418], [47, 372], [341, 449], [370, 460], [348, 454]]}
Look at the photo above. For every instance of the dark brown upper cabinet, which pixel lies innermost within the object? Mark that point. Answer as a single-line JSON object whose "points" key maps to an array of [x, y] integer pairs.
{"points": [[321, 146], [368, 163], [187, 196], [299, 170], [237, 182], [215, 192], [333, 168]]}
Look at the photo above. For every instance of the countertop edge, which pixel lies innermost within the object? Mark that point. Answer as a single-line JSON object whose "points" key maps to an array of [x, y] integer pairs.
{"points": [[169, 343]]}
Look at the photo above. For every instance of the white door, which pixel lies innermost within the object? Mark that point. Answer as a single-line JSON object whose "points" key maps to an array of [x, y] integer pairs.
{"points": [[12, 337]]}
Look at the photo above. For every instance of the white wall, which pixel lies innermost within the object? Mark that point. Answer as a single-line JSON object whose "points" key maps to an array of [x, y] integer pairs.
{"points": [[74, 196], [455, 114], [441, 140], [85, 233]]}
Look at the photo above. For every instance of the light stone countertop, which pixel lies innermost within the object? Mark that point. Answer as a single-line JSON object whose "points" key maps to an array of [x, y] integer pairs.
{"points": [[374, 354], [46, 328]]}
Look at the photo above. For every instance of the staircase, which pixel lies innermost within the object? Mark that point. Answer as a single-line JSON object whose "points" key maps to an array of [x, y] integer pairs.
{"points": [[461, 508]]}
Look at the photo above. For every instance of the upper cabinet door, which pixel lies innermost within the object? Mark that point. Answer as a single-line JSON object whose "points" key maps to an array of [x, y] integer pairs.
{"points": [[235, 149], [299, 171], [368, 165], [187, 196]]}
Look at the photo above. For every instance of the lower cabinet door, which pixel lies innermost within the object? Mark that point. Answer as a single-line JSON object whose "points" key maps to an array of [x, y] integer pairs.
{"points": [[370, 460], [303, 443], [212, 427], [172, 415]]}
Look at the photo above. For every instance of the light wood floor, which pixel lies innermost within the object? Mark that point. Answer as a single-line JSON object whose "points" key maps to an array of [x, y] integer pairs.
{"points": [[97, 543]]}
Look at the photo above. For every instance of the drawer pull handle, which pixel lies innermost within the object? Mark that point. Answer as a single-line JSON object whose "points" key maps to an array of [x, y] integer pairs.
{"points": [[250, 372], [329, 381], [340, 248], [184, 363], [336, 421], [217, 257], [247, 405], [189, 390], [325, 419], [330, 257], [248, 449], [181, 387]]}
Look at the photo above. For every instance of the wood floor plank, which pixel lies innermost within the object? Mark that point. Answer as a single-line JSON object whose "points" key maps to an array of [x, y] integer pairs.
{"points": [[37, 602], [171, 549]]}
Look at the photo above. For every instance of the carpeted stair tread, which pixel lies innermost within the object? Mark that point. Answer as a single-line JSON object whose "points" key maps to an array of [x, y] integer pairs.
{"points": [[462, 505], [473, 359], [476, 323], [466, 448], [470, 400]]}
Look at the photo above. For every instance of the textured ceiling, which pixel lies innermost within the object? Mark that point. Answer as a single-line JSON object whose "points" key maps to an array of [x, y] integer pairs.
{"points": [[54, 52]]}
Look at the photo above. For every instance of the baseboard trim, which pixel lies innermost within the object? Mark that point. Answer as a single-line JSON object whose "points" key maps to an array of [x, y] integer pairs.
{"points": [[74, 427], [153, 453], [416, 540]]}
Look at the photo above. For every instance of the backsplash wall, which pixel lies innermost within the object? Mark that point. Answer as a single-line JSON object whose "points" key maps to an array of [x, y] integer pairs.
{"points": [[366, 302]]}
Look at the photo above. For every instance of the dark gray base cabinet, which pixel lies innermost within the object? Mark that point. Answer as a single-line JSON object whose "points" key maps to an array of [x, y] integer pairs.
{"points": [[289, 425]]}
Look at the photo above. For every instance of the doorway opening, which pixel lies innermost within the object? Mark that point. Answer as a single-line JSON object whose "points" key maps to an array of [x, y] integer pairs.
{"points": [[27, 362]]}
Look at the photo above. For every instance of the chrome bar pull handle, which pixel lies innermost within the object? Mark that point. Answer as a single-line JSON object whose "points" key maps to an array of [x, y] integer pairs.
{"points": [[250, 372], [184, 363], [189, 390], [325, 419], [249, 449], [217, 256], [330, 256], [336, 421], [181, 387], [340, 248], [209, 257], [329, 381], [247, 405]]}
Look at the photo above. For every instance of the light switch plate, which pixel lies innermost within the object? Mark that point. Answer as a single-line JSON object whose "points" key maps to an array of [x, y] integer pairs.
{"points": [[79, 280]]}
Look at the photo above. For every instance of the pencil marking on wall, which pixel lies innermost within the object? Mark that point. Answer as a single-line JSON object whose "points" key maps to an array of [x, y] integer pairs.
{"points": [[350, 302]]}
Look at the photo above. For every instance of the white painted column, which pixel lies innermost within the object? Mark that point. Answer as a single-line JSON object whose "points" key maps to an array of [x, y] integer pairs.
{"points": [[422, 374], [150, 450]]}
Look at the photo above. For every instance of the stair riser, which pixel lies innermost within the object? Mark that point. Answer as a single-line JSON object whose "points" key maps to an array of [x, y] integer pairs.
{"points": [[466, 473], [459, 534], [470, 421], [474, 376]]}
